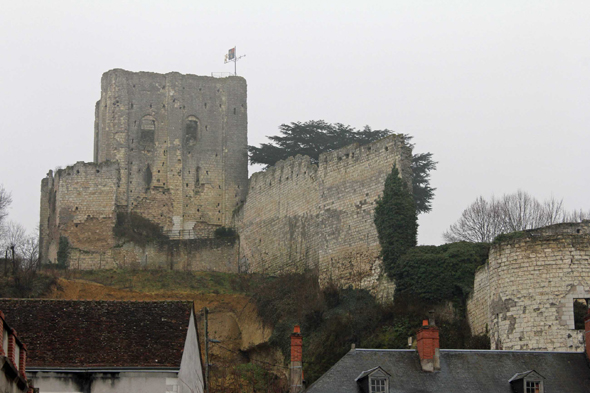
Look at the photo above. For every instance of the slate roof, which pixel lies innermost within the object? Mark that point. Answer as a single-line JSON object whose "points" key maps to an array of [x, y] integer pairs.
{"points": [[82, 333], [461, 371]]}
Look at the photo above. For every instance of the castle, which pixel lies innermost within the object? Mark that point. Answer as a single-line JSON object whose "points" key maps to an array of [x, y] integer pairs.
{"points": [[172, 149]]}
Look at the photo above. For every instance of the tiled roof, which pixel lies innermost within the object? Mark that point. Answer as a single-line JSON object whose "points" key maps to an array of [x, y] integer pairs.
{"points": [[461, 371], [81, 333]]}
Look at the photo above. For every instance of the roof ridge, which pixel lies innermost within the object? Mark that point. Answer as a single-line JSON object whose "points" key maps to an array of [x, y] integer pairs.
{"points": [[95, 300], [472, 350]]}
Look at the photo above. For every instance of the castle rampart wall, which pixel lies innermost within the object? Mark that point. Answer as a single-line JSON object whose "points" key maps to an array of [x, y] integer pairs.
{"points": [[527, 289], [299, 215], [79, 203], [219, 255]]}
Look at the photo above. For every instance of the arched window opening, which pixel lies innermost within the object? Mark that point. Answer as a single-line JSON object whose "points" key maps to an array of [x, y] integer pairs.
{"points": [[147, 133], [191, 129]]}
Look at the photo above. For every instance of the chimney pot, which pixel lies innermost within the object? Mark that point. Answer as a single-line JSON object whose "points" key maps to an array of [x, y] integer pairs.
{"points": [[428, 346], [431, 318], [425, 322], [296, 377]]}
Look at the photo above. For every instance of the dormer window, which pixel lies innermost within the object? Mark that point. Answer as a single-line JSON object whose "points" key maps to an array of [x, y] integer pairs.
{"points": [[375, 380], [533, 386], [378, 385], [527, 382]]}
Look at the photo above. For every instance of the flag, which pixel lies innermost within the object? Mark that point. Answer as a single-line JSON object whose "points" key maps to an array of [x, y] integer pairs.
{"points": [[231, 54]]}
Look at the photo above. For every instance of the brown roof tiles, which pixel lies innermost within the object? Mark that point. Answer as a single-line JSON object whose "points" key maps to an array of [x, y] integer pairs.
{"points": [[82, 333]]}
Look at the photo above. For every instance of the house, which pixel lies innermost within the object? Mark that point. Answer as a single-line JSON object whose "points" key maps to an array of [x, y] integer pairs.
{"points": [[13, 359], [109, 346], [431, 369]]}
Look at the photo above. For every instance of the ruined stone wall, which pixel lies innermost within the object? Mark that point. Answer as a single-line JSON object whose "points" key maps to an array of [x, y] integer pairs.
{"points": [[79, 203], [278, 225], [169, 147], [299, 215], [478, 302], [352, 179], [181, 143], [528, 286], [219, 255]]}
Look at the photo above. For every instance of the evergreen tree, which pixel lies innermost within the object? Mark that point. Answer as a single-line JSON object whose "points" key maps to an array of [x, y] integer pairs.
{"points": [[396, 221]]}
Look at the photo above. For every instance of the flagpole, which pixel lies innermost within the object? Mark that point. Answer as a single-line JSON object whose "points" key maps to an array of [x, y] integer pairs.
{"points": [[235, 61]]}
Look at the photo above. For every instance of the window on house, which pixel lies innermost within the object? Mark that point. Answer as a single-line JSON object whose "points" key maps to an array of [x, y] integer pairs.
{"points": [[378, 385], [534, 387], [580, 312]]}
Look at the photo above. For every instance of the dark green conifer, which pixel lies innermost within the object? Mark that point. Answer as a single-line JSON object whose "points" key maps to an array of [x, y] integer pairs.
{"points": [[396, 220]]}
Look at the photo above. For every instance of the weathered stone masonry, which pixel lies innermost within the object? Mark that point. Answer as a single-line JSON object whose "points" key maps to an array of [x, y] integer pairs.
{"points": [[172, 148], [523, 296], [302, 216]]}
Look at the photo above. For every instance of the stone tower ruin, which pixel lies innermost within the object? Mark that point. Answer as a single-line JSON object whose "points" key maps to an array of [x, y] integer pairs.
{"points": [[169, 147], [170, 154]]}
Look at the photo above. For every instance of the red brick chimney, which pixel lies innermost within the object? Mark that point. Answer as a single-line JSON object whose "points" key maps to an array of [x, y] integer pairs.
{"points": [[587, 333], [296, 378], [428, 345], [12, 347], [2, 334]]}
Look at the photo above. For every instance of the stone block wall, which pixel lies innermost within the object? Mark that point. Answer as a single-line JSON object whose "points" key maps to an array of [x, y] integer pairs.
{"points": [[302, 216], [219, 255], [78, 202], [478, 302], [527, 289], [181, 143]]}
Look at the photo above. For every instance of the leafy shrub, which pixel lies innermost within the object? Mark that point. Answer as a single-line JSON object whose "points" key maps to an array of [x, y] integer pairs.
{"points": [[438, 273], [138, 229], [63, 252], [504, 237], [225, 232]]}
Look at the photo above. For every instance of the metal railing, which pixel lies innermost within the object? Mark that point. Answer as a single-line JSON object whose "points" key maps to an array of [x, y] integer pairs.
{"points": [[181, 234], [221, 74]]}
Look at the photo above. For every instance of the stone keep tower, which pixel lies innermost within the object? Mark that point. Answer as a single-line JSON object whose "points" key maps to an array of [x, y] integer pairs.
{"points": [[169, 147], [181, 144]]}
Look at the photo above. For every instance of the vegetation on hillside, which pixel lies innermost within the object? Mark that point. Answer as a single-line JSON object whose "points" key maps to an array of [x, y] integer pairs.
{"points": [[162, 280], [332, 319], [23, 283]]}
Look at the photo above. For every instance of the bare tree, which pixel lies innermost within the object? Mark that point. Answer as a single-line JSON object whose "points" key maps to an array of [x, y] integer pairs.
{"points": [[15, 236], [5, 201], [482, 221], [29, 253], [521, 211]]}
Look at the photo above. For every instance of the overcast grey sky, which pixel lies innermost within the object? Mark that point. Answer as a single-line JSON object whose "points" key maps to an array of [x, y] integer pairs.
{"points": [[498, 91]]}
